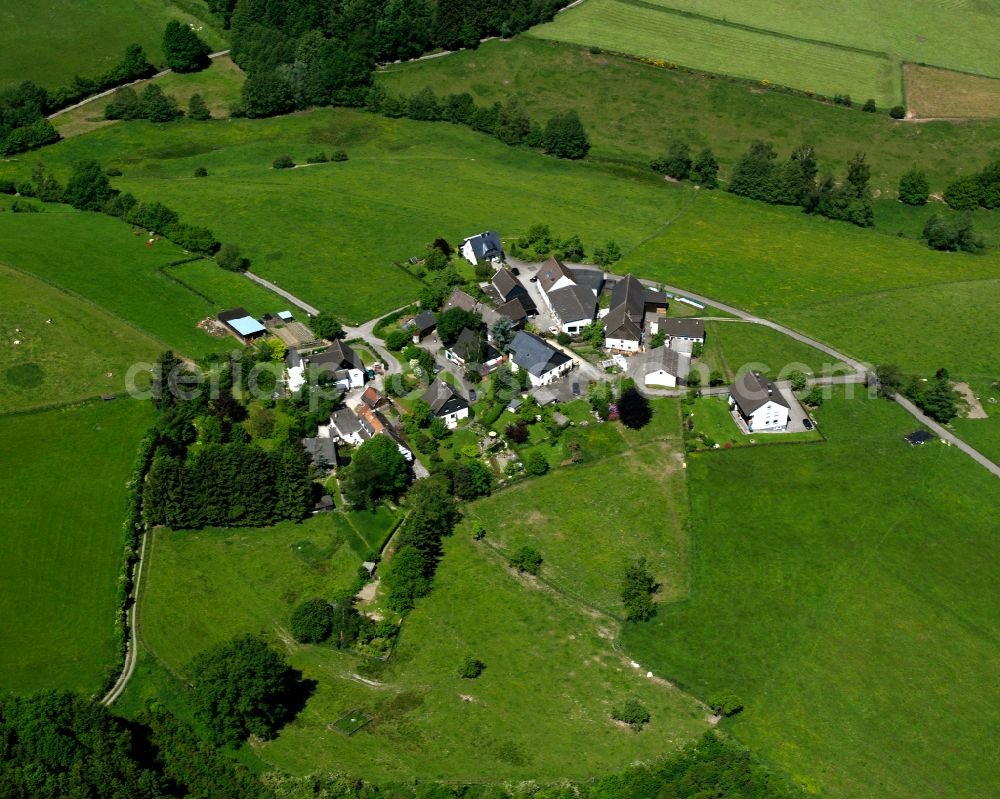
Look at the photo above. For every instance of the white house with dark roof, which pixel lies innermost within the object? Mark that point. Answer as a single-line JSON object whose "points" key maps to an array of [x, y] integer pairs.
{"points": [[623, 323], [570, 294], [446, 403], [759, 403], [661, 367], [340, 361], [346, 426], [682, 328], [484, 246], [543, 362], [473, 350]]}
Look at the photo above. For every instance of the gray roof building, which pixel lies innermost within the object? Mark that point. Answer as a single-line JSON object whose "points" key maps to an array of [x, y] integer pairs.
{"points": [[550, 272], [321, 450], [443, 399], [473, 346], [573, 303], [346, 423], [423, 323], [663, 358], [530, 352], [460, 299], [684, 328], [338, 356], [483, 246], [593, 279], [752, 390], [507, 287]]}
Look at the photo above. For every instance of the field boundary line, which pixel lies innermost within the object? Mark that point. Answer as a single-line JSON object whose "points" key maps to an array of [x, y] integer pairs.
{"points": [[164, 270], [725, 23]]}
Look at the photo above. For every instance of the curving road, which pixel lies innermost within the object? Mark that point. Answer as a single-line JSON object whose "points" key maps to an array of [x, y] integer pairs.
{"points": [[113, 89], [132, 647]]}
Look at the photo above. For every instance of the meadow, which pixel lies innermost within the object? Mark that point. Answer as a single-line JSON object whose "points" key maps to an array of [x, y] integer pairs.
{"points": [[99, 262], [845, 592], [206, 586], [872, 296], [332, 233], [57, 347], [734, 347], [941, 93], [62, 501], [647, 29], [633, 110], [88, 38]]}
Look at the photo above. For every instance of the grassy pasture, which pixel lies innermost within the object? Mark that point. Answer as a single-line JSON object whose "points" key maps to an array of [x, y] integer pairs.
{"points": [[845, 592], [48, 42], [647, 29], [942, 93], [843, 285], [637, 495], [632, 110], [206, 586], [97, 259], [219, 86], [733, 347], [331, 232], [948, 33], [62, 494], [68, 347]]}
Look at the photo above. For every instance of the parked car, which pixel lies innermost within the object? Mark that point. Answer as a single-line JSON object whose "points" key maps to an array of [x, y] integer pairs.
{"points": [[534, 278], [576, 389], [515, 271], [554, 330], [472, 395], [807, 423]]}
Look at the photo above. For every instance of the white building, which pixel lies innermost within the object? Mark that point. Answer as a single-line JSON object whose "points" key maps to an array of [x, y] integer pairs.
{"points": [[543, 362], [661, 367], [446, 403], [482, 247], [759, 402]]}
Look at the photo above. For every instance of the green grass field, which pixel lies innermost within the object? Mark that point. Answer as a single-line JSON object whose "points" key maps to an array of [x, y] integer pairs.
{"points": [[62, 501], [642, 28], [732, 347], [639, 496], [924, 31], [632, 110], [849, 603], [202, 587], [67, 348], [875, 297], [50, 42], [99, 261], [331, 232]]}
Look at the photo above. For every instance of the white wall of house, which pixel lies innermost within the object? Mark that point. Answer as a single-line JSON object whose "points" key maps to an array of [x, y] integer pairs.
{"points": [[769, 416], [622, 344], [660, 377], [468, 254], [574, 327], [452, 419], [547, 377]]}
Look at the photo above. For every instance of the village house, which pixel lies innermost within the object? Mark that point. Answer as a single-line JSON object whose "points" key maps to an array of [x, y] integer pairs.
{"points": [[421, 326], [506, 288], [446, 403], [692, 330], [570, 294], [346, 427], [342, 363], [375, 424], [661, 367], [758, 402], [322, 451], [543, 362], [482, 247], [471, 350], [372, 398]]}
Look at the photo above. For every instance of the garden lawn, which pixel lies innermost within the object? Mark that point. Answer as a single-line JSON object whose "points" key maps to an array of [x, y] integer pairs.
{"points": [[67, 349], [643, 28], [633, 110], [872, 296], [846, 592], [639, 498], [51, 42], [62, 504], [331, 232], [99, 260]]}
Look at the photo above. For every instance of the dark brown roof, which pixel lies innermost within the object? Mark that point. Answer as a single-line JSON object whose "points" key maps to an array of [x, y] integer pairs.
{"points": [[460, 299], [513, 310], [443, 399], [630, 293], [233, 313], [339, 355], [684, 328], [504, 281], [551, 271], [619, 324], [753, 390]]}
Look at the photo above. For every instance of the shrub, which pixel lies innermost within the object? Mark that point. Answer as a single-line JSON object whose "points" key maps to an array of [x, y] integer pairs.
{"points": [[914, 188], [517, 432], [197, 108], [814, 398], [897, 112], [201, 172], [319, 158], [283, 162], [565, 137], [231, 257], [564, 339], [638, 587], [471, 668], [535, 463], [113, 172], [633, 713], [183, 50], [478, 531], [725, 703], [798, 380], [396, 340], [338, 155], [312, 621], [869, 107], [964, 193], [526, 559]]}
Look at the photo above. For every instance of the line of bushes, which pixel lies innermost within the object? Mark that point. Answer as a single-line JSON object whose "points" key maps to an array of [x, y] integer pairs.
{"points": [[132, 530]]}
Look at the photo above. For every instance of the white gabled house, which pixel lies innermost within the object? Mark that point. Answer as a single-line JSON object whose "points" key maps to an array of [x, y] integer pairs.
{"points": [[342, 363], [570, 294], [661, 367], [543, 362], [446, 403], [484, 246], [759, 403]]}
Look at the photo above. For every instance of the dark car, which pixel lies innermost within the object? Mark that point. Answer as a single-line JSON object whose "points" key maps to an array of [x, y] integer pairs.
{"points": [[515, 271], [534, 278], [807, 424], [472, 395], [576, 389]]}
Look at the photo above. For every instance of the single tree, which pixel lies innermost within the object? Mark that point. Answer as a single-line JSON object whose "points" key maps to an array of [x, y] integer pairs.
{"points": [[914, 188], [638, 588], [88, 187], [633, 409], [798, 379], [230, 257], [377, 470], [890, 379], [565, 137], [156, 106], [405, 579], [633, 713], [964, 193], [705, 170], [182, 49], [326, 326], [450, 324], [471, 668], [535, 463], [197, 108], [513, 125], [526, 559], [312, 621]]}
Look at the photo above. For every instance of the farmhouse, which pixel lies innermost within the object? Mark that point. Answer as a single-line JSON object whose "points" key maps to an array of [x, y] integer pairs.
{"points": [[661, 367], [375, 424], [570, 294], [470, 350], [460, 299], [322, 451], [422, 325], [758, 402], [446, 403], [342, 362], [683, 329], [506, 287], [241, 324], [482, 247], [543, 362]]}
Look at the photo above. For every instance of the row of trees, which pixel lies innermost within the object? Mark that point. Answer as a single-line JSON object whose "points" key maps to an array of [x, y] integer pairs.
{"points": [[152, 104], [935, 397], [761, 176], [979, 190], [678, 164]]}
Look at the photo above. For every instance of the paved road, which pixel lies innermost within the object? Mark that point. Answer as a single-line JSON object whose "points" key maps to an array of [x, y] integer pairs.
{"points": [[305, 306], [948, 436], [113, 89], [366, 332]]}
